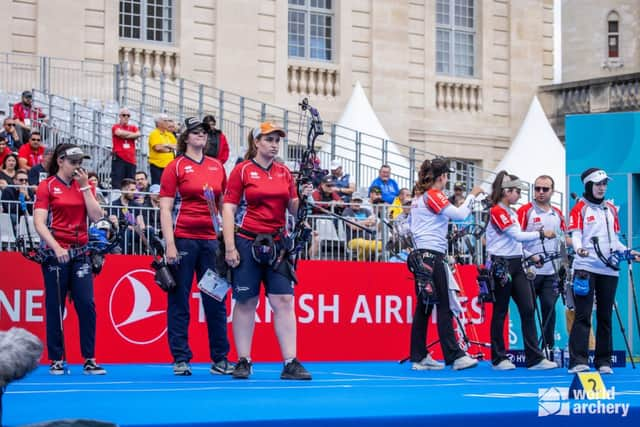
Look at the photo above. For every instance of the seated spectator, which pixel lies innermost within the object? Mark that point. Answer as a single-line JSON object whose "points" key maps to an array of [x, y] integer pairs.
{"points": [[32, 153], [94, 180], [217, 145], [9, 167], [12, 196], [344, 187], [26, 115], [458, 195], [324, 195], [3, 184], [4, 149], [386, 184], [401, 242], [125, 210], [39, 171], [398, 203], [317, 174], [14, 134], [142, 189], [359, 240]]}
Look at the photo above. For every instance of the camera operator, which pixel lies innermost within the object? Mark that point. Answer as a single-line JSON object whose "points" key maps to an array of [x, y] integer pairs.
{"points": [[195, 238], [595, 226], [504, 247], [430, 215], [68, 199]]}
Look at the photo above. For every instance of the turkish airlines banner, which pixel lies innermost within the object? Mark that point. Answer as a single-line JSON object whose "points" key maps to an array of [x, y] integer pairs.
{"points": [[345, 311]]}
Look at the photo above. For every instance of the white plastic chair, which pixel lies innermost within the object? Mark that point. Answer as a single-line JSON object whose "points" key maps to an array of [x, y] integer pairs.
{"points": [[28, 232], [7, 234]]}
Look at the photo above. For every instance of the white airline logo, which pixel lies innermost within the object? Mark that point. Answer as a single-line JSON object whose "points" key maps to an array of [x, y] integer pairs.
{"points": [[254, 175], [130, 309], [57, 190]]}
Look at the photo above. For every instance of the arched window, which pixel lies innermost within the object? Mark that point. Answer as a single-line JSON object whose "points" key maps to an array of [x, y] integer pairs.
{"points": [[613, 35]]}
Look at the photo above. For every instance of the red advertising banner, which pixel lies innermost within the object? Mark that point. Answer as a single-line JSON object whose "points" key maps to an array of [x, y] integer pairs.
{"points": [[345, 311]]}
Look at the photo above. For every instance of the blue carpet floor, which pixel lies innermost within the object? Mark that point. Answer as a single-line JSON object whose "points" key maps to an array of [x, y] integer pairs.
{"points": [[367, 393]]}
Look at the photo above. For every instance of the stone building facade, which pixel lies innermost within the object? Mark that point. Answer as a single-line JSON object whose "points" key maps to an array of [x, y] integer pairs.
{"points": [[453, 77]]}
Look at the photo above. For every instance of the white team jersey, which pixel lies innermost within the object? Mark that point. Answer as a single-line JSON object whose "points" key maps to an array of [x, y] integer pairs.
{"points": [[533, 218], [592, 220], [428, 224], [499, 243]]}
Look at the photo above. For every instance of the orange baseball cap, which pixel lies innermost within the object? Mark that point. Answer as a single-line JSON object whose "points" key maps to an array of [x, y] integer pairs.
{"points": [[266, 128]]}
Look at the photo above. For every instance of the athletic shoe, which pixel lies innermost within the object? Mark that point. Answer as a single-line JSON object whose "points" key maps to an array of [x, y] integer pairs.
{"points": [[222, 367], [579, 368], [505, 365], [427, 364], [182, 368], [56, 367], [294, 371], [543, 365], [605, 369], [464, 362], [92, 368], [242, 370]]}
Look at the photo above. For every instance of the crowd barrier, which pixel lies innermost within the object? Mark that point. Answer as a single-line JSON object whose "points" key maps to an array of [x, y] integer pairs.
{"points": [[345, 311]]}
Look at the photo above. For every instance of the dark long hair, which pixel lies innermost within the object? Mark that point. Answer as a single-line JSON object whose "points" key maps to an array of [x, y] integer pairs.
{"points": [[430, 170], [60, 148], [15, 157], [252, 150], [496, 187], [181, 146]]}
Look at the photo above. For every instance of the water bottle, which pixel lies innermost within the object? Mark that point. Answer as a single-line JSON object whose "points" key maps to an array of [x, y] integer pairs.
{"points": [[557, 356], [565, 357]]}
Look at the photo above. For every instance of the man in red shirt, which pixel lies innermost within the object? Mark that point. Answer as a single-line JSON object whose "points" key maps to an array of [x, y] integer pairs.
{"points": [[25, 113], [31, 154], [124, 135]]}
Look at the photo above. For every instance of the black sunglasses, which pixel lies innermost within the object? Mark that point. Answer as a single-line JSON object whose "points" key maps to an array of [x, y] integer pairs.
{"points": [[22, 180], [543, 189], [125, 115]]}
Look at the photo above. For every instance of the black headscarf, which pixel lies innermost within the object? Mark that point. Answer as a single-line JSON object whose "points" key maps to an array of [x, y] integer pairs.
{"points": [[588, 187]]}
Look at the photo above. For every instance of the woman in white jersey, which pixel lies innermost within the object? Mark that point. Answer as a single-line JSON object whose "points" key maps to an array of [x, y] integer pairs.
{"points": [[504, 249], [595, 226], [430, 215]]}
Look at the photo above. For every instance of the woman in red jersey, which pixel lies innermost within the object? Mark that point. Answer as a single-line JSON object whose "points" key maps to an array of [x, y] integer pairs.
{"points": [[192, 244], [252, 247], [63, 202]]}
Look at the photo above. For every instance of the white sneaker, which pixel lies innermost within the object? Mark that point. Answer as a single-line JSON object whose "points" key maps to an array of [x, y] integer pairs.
{"points": [[604, 369], [543, 365], [464, 362], [427, 364], [505, 365], [579, 368]]}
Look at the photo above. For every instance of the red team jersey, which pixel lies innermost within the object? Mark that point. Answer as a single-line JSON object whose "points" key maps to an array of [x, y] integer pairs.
{"points": [[33, 157], [124, 148], [189, 179], [67, 211], [267, 193]]}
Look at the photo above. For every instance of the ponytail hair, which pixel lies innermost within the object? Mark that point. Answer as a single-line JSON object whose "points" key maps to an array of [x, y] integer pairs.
{"points": [[60, 148], [429, 171], [496, 186], [252, 150]]}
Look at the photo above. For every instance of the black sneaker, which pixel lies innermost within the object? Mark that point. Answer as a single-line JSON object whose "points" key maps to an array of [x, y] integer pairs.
{"points": [[92, 368], [222, 367], [294, 371], [243, 369], [56, 367]]}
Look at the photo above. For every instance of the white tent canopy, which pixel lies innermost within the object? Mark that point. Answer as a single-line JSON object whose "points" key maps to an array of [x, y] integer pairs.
{"points": [[359, 121], [536, 150]]}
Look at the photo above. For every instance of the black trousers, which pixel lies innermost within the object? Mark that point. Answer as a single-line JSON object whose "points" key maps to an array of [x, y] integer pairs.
{"points": [[450, 348], [156, 174], [120, 170], [547, 292], [604, 287], [520, 290]]}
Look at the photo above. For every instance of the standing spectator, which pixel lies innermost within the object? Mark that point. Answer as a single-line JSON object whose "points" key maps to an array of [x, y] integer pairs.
{"points": [[4, 150], [64, 202], [387, 184], [14, 134], [217, 145], [162, 146], [398, 203], [251, 249], [142, 187], [195, 238], [344, 187], [458, 197], [25, 114], [39, 173], [32, 153], [123, 138], [9, 167]]}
